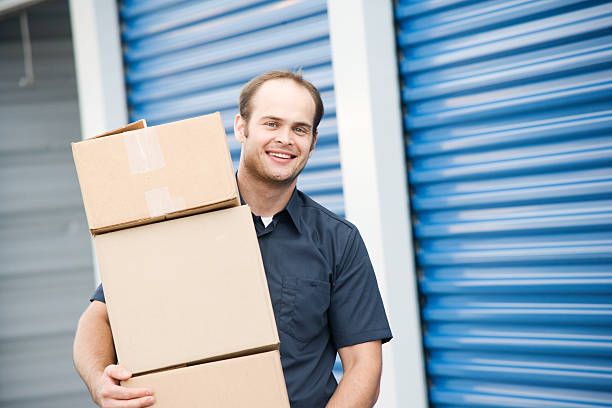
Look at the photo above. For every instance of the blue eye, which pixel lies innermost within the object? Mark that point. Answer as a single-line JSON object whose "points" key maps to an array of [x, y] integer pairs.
{"points": [[271, 124]]}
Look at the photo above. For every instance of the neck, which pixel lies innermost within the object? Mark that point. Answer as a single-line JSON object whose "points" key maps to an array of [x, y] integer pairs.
{"points": [[264, 197]]}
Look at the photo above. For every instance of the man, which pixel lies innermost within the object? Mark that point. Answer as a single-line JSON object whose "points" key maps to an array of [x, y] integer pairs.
{"points": [[322, 286]]}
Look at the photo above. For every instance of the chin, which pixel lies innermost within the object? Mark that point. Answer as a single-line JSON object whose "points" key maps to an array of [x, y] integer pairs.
{"points": [[282, 178]]}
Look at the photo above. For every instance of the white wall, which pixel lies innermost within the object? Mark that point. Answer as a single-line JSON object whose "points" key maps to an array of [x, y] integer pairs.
{"points": [[369, 116], [99, 65], [99, 69]]}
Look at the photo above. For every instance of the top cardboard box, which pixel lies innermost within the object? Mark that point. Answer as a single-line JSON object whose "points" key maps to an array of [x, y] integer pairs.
{"points": [[137, 174]]}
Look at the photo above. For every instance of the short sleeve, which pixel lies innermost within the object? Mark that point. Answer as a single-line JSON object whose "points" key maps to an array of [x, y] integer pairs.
{"points": [[356, 314], [98, 294]]}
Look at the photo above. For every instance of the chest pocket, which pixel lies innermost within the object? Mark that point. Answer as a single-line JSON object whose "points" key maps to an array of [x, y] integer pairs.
{"points": [[304, 304]]}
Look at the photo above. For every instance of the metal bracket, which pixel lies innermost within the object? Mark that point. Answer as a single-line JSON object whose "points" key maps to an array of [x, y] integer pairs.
{"points": [[28, 80]]}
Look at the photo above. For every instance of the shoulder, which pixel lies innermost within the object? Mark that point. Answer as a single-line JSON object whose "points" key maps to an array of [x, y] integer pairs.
{"points": [[339, 238], [328, 229], [313, 209]]}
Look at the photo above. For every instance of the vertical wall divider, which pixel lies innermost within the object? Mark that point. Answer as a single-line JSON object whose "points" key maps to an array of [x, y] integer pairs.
{"points": [[374, 180]]}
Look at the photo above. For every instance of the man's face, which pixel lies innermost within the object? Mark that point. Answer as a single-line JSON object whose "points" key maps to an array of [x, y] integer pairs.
{"points": [[278, 138]]}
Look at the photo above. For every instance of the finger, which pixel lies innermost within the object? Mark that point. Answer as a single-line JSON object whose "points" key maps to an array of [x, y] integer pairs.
{"points": [[125, 393], [117, 372], [139, 402]]}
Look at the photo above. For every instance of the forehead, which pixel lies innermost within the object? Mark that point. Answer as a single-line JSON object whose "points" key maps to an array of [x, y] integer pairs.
{"points": [[285, 99]]}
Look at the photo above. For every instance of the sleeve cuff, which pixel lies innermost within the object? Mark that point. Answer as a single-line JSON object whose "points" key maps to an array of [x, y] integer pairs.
{"points": [[344, 340]]}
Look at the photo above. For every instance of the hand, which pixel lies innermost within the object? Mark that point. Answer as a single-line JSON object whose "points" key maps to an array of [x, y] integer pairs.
{"points": [[107, 393]]}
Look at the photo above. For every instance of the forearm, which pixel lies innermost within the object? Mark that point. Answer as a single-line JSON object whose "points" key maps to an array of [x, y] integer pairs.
{"points": [[93, 348], [358, 388]]}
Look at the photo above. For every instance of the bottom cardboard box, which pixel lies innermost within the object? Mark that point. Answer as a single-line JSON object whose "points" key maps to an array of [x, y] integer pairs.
{"points": [[250, 381]]}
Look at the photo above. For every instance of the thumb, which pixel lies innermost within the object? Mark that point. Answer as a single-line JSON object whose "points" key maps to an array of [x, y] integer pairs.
{"points": [[117, 372]]}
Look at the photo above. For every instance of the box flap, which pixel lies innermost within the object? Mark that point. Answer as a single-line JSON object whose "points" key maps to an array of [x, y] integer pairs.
{"points": [[140, 124]]}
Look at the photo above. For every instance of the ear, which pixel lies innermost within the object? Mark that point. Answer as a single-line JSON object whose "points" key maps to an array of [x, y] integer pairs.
{"points": [[239, 127], [314, 142]]}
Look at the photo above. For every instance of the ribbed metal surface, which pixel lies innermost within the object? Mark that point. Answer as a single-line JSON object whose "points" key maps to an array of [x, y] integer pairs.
{"points": [[188, 58], [46, 270], [509, 135]]}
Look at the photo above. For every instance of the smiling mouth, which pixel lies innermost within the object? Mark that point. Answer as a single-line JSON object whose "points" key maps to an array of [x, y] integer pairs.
{"points": [[281, 155]]}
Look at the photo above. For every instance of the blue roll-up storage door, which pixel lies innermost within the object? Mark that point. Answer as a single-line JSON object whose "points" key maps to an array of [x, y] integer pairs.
{"points": [[189, 58], [508, 118]]}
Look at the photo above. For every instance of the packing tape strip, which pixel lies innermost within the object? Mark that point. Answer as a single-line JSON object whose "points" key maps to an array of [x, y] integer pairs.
{"points": [[159, 202], [144, 152]]}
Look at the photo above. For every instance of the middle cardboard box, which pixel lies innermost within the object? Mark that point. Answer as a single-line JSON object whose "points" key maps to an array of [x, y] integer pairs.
{"points": [[187, 290]]}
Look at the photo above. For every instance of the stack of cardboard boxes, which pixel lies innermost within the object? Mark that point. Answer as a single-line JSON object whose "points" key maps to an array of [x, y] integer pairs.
{"points": [[187, 298]]}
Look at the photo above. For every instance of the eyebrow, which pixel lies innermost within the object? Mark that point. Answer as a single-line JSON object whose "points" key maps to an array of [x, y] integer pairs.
{"points": [[302, 124]]}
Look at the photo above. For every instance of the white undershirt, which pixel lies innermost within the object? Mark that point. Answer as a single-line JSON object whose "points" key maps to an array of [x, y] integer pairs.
{"points": [[266, 221]]}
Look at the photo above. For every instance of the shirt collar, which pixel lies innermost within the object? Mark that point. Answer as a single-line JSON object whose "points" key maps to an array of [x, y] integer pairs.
{"points": [[292, 208]]}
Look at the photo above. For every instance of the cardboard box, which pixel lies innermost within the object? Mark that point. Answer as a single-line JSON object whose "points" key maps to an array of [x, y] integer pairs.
{"points": [[137, 174], [186, 290], [252, 381]]}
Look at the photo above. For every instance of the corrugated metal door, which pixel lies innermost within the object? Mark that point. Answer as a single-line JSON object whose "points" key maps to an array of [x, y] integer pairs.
{"points": [[508, 116], [188, 58]]}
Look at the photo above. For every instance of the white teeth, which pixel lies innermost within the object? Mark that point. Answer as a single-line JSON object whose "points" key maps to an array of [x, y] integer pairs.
{"points": [[281, 155]]}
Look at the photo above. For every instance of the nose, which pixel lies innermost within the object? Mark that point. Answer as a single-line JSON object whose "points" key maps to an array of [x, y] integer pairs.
{"points": [[283, 136]]}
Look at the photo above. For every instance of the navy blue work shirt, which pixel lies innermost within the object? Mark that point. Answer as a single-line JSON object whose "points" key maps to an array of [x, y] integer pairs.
{"points": [[323, 291]]}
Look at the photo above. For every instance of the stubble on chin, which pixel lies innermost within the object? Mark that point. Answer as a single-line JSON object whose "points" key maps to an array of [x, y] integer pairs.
{"points": [[277, 176], [257, 168]]}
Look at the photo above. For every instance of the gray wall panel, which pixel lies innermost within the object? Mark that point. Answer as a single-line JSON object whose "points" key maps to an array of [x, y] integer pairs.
{"points": [[46, 272]]}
